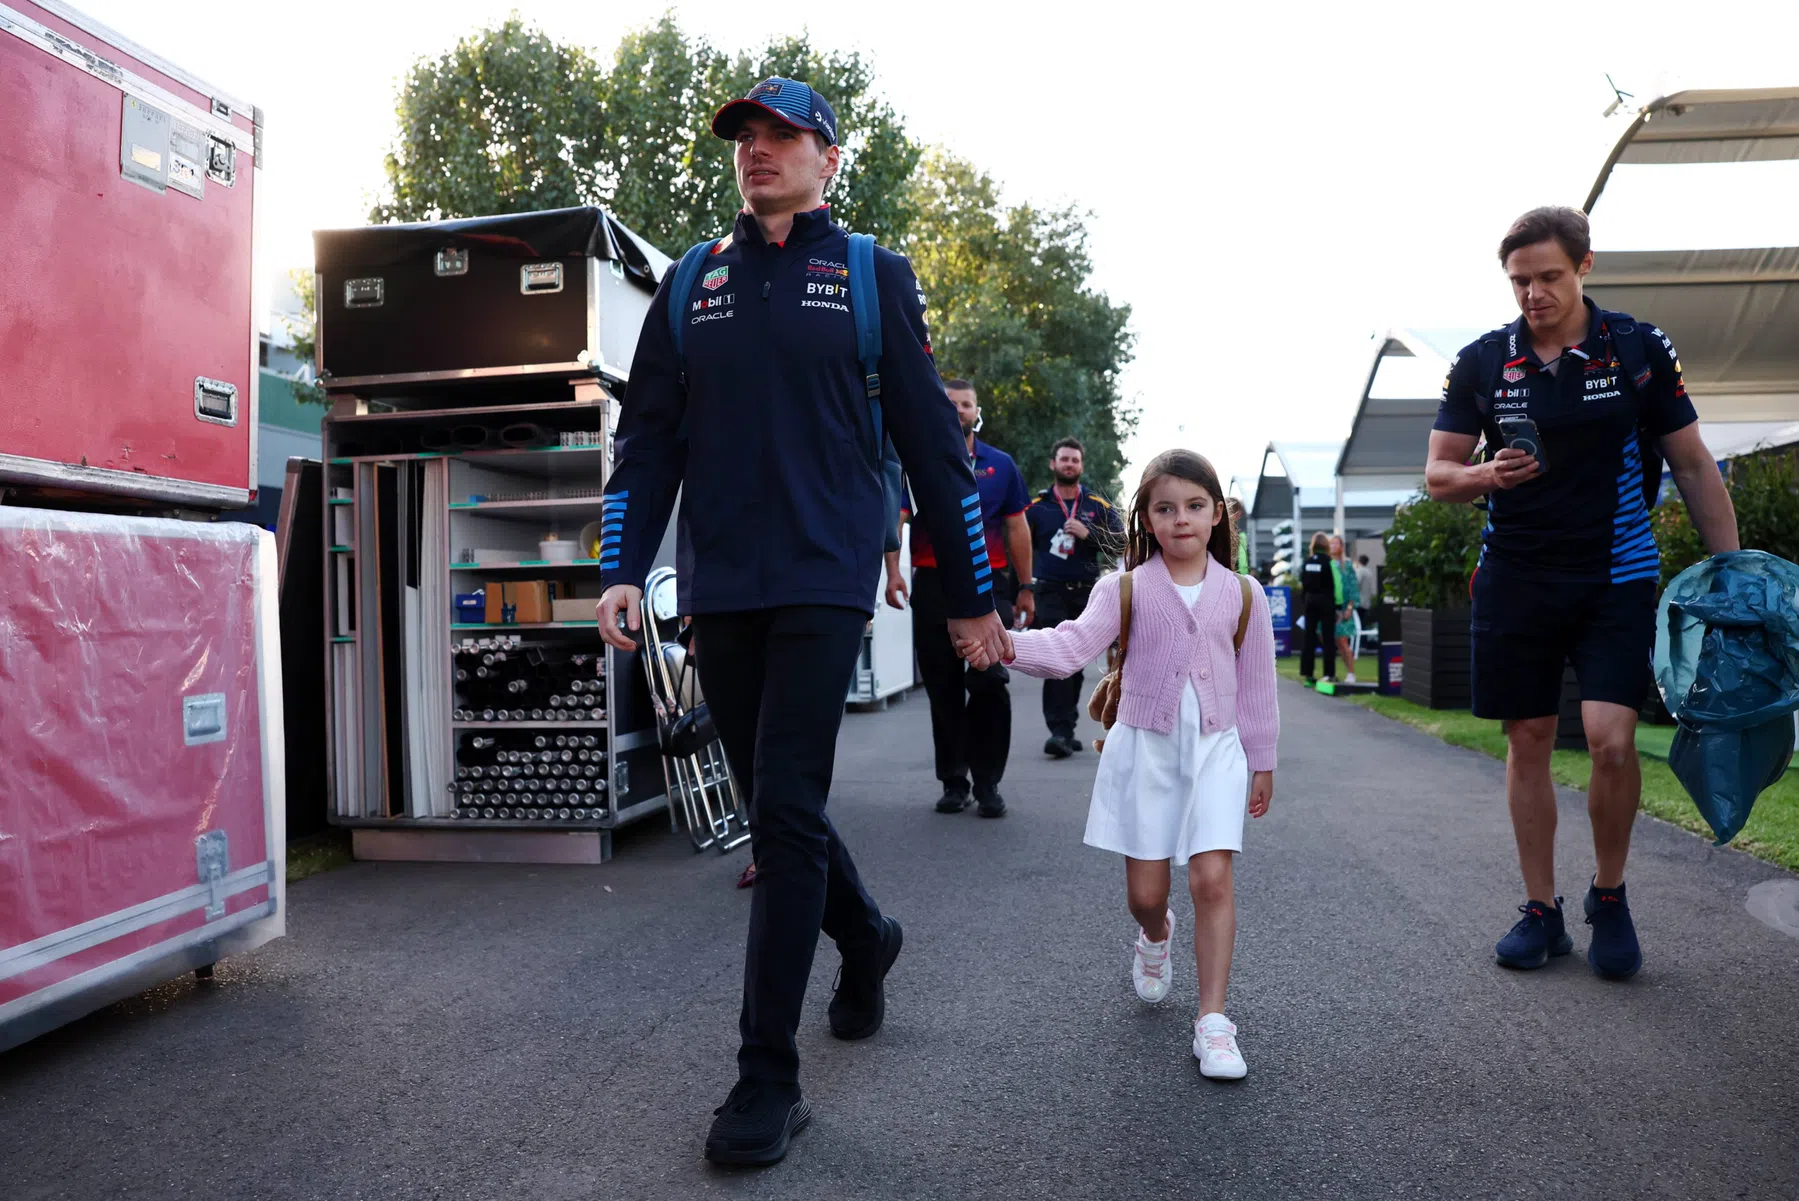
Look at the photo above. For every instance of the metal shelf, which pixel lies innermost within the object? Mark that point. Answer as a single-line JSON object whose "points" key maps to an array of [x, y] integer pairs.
{"points": [[525, 625], [576, 508], [590, 724], [534, 564]]}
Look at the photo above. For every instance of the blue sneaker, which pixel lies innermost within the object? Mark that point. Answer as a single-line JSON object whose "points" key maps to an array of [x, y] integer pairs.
{"points": [[1539, 934], [1613, 951]]}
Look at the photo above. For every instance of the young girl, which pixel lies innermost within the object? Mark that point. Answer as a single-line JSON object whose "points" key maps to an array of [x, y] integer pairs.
{"points": [[1195, 734]]}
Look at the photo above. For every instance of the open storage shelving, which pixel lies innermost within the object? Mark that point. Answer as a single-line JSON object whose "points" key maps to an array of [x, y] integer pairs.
{"points": [[400, 518]]}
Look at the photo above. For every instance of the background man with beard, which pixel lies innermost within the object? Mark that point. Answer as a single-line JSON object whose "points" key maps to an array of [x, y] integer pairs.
{"points": [[971, 711], [1072, 530]]}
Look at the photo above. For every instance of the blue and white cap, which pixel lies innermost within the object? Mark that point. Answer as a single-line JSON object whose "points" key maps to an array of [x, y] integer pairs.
{"points": [[788, 100]]}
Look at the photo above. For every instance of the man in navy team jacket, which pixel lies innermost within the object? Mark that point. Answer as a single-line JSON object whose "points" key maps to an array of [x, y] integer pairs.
{"points": [[766, 421]]}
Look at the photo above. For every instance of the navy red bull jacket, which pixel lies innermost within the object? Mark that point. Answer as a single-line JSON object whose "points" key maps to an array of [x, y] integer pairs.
{"points": [[767, 426]]}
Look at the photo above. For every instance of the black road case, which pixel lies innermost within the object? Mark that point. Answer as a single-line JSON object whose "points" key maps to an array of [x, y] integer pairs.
{"points": [[553, 293]]}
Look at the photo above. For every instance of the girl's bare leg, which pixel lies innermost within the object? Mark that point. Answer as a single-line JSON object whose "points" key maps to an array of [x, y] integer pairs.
{"points": [[1146, 884], [1212, 883]]}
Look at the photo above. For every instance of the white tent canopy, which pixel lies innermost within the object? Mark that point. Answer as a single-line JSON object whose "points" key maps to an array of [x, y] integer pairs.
{"points": [[1733, 313]]}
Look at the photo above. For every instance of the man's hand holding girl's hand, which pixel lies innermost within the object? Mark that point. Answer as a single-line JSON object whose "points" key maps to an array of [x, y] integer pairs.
{"points": [[1261, 792]]}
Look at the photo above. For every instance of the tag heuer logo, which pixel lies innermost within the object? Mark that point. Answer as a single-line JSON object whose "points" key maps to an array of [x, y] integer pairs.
{"points": [[715, 279], [1511, 375]]}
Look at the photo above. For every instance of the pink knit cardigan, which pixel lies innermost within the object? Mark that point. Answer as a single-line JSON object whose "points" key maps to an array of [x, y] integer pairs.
{"points": [[1172, 645]]}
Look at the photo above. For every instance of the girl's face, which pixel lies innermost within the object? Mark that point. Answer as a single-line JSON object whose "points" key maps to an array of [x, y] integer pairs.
{"points": [[1181, 516], [1336, 547]]}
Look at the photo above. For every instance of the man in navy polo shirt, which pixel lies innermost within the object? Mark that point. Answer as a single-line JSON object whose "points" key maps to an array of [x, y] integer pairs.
{"points": [[1072, 528], [971, 711], [765, 422], [1569, 566]]}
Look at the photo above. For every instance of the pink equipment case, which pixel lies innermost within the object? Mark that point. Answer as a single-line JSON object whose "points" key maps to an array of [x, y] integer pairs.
{"points": [[142, 805], [128, 330]]}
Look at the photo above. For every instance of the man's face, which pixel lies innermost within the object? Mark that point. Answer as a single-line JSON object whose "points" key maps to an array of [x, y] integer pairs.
{"points": [[781, 169], [966, 408], [1067, 465], [1546, 283]]}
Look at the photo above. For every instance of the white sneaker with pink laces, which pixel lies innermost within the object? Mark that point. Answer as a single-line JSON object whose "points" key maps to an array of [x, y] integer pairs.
{"points": [[1149, 964], [1215, 1046]]}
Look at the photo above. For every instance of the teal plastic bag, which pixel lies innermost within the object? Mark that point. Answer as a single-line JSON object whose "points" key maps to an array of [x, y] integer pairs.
{"points": [[1727, 665]]}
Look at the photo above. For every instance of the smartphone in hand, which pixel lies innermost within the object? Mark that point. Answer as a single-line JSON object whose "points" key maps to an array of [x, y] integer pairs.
{"points": [[1520, 433]]}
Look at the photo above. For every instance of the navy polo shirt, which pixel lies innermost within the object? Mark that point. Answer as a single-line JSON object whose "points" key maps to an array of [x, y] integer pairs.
{"points": [[1585, 519], [1002, 494], [1049, 513]]}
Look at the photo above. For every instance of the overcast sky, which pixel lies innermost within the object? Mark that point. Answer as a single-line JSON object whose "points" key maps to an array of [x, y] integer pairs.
{"points": [[1269, 185]]}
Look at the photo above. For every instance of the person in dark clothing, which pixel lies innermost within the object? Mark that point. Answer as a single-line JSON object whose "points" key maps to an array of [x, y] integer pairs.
{"points": [[1580, 407], [971, 711], [1318, 585], [1072, 528], [764, 422]]}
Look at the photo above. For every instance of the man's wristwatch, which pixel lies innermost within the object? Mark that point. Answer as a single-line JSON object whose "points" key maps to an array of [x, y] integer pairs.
{"points": [[1027, 588]]}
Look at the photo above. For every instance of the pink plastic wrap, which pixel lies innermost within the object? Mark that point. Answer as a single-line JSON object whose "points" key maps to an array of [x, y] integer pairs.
{"points": [[141, 802]]}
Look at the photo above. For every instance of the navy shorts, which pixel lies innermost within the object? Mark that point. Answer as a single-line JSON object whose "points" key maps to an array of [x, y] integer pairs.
{"points": [[1523, 631]]}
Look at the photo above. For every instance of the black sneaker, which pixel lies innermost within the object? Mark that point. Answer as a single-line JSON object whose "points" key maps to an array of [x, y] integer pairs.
{"points": [[1612, 952], [1073, 744], [953, 800], [992, 805], [1057, 747], [1540, 933], [859, 1001], [756, 1122]]}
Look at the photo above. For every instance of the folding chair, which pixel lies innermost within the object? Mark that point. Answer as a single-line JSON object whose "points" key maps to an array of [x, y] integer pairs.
{"points": [[693, 760]]}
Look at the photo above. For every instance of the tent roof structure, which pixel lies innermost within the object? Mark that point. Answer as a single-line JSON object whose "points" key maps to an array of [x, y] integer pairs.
{"points": [[1386, 445], [1732, 312]]}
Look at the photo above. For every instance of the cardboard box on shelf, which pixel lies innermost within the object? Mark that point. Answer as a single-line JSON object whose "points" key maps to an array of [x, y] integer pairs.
{"points": [[519, 601], [577, 608]]}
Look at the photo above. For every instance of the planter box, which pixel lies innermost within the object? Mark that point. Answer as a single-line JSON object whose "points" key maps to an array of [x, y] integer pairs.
{"points": [[1435, 645]]}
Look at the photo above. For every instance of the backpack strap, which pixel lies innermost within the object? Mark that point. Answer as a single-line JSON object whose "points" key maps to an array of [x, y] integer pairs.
{"points": [[686, 272], [1124, 619], [1627, 341], [1242, 617], [865, 306]]}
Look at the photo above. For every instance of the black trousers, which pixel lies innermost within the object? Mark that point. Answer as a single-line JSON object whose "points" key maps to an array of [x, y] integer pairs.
{"points": [[971, 711], [776, 680], [1057, 603], [1321, 625]]}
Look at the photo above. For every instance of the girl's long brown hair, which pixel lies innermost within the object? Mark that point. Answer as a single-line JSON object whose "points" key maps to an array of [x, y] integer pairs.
{"points": [[1140, 543]]}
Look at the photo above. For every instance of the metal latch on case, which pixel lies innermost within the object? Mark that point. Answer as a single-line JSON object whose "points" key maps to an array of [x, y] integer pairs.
{"points": [[212, 860], [221, 161], [215, 400], [536, 278], [451, 261], [364, 293]]}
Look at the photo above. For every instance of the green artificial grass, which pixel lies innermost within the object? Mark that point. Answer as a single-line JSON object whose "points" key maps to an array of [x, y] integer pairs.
{"points": [[321, 853], [1771, 834]]}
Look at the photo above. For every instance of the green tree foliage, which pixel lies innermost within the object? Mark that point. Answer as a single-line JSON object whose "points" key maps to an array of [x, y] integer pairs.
{"points": [[304, 331], [1011, 311], [508, 121], [1432, 550], [668, 177], [511, 121], [1764, 489]]}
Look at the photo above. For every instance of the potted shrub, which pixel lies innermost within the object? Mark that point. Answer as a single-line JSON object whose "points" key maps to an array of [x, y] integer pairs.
{"points": [[1432, 548]]}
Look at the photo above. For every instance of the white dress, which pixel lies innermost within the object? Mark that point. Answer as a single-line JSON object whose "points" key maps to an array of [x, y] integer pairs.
{"points": [[1170, 796]]}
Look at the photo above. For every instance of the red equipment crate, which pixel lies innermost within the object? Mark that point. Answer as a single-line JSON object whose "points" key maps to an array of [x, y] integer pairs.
{"points": [[142, 796], [128, 328]]}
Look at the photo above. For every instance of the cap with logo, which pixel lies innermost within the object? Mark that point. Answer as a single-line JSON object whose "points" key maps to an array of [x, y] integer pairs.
{"points": [[787, 100]]}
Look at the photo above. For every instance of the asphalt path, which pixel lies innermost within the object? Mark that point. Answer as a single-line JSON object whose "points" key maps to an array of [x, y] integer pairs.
{"points": [[483, 1032]]}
